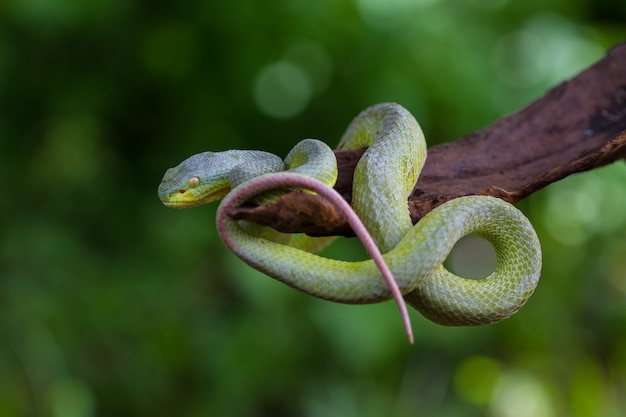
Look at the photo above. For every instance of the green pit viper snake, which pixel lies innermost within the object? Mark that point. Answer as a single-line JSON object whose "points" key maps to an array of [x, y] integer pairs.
{"points": [[411, 268]]}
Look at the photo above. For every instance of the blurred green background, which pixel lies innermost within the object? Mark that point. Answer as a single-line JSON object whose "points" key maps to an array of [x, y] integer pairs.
{"points": [[113, 305]]}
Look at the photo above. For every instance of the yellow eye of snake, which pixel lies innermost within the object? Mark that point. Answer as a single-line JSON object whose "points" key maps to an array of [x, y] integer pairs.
{"points": [[193, 182]]}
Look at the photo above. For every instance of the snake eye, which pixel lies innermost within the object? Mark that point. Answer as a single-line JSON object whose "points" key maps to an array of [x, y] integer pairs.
{"points": [[193, 182]]}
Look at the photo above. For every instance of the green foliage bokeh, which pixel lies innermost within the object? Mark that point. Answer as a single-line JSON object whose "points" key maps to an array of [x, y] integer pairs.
{"points": [[113, 305]]}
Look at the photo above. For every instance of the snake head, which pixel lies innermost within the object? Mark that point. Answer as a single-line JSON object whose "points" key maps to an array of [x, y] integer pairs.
{"points": [[199, 179], [209, 176]]}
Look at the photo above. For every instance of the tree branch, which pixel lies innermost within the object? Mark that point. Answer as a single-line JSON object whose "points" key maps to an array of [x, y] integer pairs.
{"points": [[577, 126]]}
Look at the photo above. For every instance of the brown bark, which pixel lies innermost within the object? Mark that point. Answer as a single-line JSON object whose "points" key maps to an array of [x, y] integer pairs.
{"points": [[577, 126]]}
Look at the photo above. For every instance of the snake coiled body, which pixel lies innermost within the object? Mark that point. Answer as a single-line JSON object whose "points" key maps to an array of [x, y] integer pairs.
{"points": [[384, 178]]}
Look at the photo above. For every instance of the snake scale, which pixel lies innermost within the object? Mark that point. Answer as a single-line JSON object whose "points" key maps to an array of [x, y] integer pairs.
{"points": [[411, 268]]}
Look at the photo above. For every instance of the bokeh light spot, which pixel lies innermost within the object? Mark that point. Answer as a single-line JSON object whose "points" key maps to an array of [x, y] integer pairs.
{"points": [[520, 394], [71, 398], [547, 50], [475, 379], [582, 205], [314, 61], [566, 212], [488, 4], [282, 90], [47, 12], [389, 14]]}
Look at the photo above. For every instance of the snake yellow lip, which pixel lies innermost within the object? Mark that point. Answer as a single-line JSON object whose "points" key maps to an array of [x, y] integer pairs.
{"points": [[178, 199], [186, 199], [173, 204]]}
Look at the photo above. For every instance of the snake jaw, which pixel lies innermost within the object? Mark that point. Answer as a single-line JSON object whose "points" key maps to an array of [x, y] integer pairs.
{"points": [[193, 197], [178, 200]]}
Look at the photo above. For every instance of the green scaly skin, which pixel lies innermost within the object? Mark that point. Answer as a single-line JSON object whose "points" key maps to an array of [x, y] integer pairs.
{"points": [[383, 179]]}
